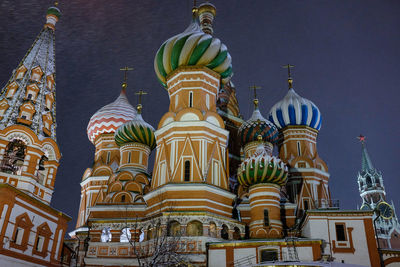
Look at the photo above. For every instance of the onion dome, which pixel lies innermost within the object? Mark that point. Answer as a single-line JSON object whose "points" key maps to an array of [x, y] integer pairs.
{"points": [[193, 47], [136, 130], [54, 11], [262, 168], [295, 110], [256, 126], [110, 117]]}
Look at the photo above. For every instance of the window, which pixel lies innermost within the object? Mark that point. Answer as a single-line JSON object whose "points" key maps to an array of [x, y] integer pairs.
{"points": [[29, 96], [301, 164], [125, 235], [266, 217], [187, 171], [269, 255], [14, 157], [176, 101], [174, 229], [129, 156], [108, 157], [213, 230], [236, 233], [43, 235], [208, 101], [39, 244], [190, 99], [194, 228], [23, 117], [298, 149], [306, 206], [106, 235], [340, 232], [19, 233], [225, 232], [123, 198], [215, 177]]}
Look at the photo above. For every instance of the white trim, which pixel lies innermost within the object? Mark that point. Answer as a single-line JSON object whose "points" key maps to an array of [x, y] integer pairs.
{"points": [[94, 178], [189, 187]]}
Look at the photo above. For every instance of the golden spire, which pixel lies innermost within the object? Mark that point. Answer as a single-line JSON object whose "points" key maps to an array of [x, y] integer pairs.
{"points": [[139, 94], [290, 80], [255, 100], [126, 69]]}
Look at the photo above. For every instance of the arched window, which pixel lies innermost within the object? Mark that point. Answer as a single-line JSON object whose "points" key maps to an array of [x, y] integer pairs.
{"points": [[14, 157], [106, 234], [194, 228], [129, 156], [225, 232], [213, 230], [149, 232], [21, 232], [187, 171], [236, 233], [125, 235], [174, 228], [123, 198], [43, 235], [42, 171]]}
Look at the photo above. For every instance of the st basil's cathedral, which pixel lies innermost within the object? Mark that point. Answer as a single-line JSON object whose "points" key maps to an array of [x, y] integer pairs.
{"points": [[218, 194]]}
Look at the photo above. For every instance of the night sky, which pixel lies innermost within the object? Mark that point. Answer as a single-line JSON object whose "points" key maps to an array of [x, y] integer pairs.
{"points": [[346, 56]]}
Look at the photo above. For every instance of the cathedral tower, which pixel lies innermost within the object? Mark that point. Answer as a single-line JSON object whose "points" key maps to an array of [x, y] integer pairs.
{"points": [[262, 175], [191, 165], [31, 231], [299, 121]]}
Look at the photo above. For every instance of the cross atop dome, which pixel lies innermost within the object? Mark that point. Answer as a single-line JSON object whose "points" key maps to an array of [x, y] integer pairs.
{"points": [[139, 94], [290, 80], [255, 100], [125, 69]]}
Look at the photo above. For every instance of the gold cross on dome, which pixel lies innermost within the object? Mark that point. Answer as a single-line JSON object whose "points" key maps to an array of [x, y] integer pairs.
{"points": [[290, 80], [126, 69], [255, 88], [139, 94]]}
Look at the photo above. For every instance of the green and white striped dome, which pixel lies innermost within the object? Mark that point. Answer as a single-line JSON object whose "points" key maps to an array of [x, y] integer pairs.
{"points": [[193, 47], [136, 131], [262, 168]]}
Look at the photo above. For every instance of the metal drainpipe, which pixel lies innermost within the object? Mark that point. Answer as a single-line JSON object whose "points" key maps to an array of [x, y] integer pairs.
{"points": [[207, 245]]}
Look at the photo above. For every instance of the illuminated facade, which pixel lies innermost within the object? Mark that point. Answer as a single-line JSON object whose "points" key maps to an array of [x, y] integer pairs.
{"points": [[217, 194]]}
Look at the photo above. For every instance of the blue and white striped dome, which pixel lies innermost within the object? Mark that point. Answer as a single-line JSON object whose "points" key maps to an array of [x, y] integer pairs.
{"points": [[295, 110]]}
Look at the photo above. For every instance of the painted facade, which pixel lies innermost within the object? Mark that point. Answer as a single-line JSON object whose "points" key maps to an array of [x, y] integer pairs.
{"points": [[217, 194], [31, 231]]}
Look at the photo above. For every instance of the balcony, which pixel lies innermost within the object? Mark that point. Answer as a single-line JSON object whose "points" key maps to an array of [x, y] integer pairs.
{"points": [[326, 204]]}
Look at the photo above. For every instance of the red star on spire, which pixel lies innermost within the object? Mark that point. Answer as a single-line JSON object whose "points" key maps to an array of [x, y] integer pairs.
{"points": [[361, 138]]}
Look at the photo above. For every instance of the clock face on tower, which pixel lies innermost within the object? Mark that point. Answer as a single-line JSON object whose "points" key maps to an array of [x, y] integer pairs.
{"points": [[385, 210]]}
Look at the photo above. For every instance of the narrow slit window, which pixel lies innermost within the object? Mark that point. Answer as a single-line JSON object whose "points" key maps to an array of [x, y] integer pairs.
{"points": [[187, 170], [306, 206], [266, 217], [190, 99], [129, 157], [298, 149], [39, 244], [108, 157], [123, 198]]}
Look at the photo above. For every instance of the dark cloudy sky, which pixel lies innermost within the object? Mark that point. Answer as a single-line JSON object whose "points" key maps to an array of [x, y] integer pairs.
{"points": [[346, 55]]}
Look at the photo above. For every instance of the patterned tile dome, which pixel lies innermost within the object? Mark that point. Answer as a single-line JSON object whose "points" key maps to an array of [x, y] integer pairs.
{"points": [[255, 126], [295, 110], [136, 130], [110, 117], [262, 168], [193, 47]]}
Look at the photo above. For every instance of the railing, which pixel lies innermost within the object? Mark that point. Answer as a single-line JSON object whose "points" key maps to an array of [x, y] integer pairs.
{"points": [[326, 204]]}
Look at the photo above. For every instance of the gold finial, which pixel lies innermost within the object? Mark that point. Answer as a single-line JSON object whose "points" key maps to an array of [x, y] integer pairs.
{"points": [[290, 80], [259, 137], [56, 3], [139, 106], [194, 9], [126, 69], [255, 100]]}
